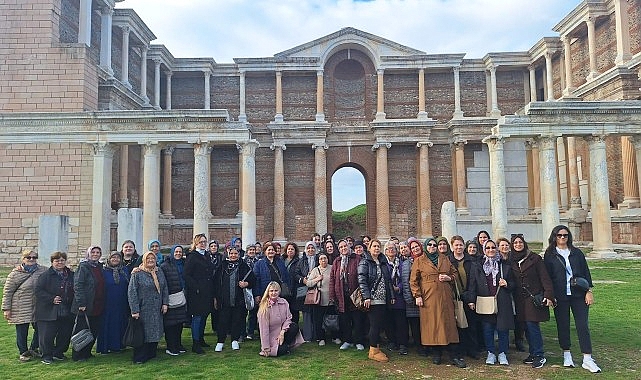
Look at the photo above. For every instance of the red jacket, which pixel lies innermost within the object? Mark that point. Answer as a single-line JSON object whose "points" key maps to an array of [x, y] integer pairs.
{"points": [[336, 288]]}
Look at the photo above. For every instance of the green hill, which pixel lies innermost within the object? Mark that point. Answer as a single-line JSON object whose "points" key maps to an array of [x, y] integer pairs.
{"points": [[351, 222]]}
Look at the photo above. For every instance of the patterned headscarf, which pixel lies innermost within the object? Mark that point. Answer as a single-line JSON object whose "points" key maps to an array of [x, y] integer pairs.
{"points": [[491, 264], [117, 270], [87, 258], [153, 271]]}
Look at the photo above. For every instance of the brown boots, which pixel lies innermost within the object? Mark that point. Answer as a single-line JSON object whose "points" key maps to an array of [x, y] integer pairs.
{"points": [[375, 353]]}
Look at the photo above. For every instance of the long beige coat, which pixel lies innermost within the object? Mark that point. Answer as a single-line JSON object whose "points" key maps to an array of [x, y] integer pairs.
{"points": [[438, 324], [19, 294]]}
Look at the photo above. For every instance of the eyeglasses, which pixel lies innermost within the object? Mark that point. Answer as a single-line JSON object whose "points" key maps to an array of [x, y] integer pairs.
{"points": [[202, 242], [31, 257], [562, 236], [431, 245], [490, 247]]}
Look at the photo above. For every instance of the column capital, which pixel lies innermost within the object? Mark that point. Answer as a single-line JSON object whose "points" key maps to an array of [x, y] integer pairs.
{"points": [[202, 148], [151, 147], [636, 141], [531, 144], [275, 146], [103, 149], [380, 71], [428, 144], [248, 147], [319, 72], [169, 150], [546, 142], [207, 73], [381, 145], [493, 141], [596, 139], [549, 53], [125, 30], [106, 9], [157, 61], [456, 69], [169, 73], [322, 146], [458, 142], [279, 73], [531, 67], [492, 68], [143, 49]]}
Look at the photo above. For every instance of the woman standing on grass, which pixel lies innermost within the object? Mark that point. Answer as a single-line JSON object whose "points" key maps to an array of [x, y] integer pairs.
{"points": [[565, 263], [148, 300], [319, 277], [278, 334], [173, 268], [19, 302], [116, 314], [199, 284]]}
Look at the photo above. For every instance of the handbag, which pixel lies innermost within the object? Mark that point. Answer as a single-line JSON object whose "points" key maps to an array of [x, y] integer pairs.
{"points": [[248, 295], [82, 338], [330, 322], [134, 333], [537, 299], [357, 299], [486, 305], [576, 282], [301, 292], [285, 292], [459, 309], [313, 296], [177, 300]]}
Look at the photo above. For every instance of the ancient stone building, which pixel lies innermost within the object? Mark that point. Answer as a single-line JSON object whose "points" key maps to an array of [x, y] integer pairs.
{"points": [[102, 130]]}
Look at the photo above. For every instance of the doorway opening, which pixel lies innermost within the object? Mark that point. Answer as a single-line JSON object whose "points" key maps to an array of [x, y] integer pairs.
{"points": [[349, 204]]}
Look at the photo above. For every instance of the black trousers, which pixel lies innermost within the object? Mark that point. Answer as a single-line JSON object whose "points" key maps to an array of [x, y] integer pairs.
{"points": [[468, 337], [352, 326], [414, 324], [54, 337], [318, 312], [95, 323], [376, 316], [145, 352], [396, 326], [290, 337], [580, 312], [173, 335], [230, 321]]}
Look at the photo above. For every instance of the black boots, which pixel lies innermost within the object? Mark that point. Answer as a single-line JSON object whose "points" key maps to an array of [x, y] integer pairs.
{"points": [[196, 347]]}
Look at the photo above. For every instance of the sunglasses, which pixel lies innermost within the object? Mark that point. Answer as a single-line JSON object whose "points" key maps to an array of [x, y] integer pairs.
{"points": [[562, 236], [490, 247], [431, 245], [31, 257], [517, 236]]}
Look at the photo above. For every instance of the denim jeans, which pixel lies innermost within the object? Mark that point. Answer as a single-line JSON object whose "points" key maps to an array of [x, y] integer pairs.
{"points": [[22, 331], [198, 323], [488, 335], [534, 338]]}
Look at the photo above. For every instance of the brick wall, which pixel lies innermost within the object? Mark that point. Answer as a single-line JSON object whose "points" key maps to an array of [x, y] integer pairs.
{"points": [[439, 95], [510, 91], [473, 93], [401, 95], [188, 90]]}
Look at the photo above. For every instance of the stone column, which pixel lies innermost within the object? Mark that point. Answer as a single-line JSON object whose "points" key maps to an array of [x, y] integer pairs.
{"points": [[279, 97], [84, 23], [573, 173], [320, 187], [532, 72], [141, 178], [530, 176], [498, 193], [124, 75], [549, 184], [157, 63], [123, 191], [567, 58], [382, 191], [106, 20], [495, 112], [461, 181], [600, 198], [422, 114], [207, 105], [594, 72], [151, 201], [320, 112], [202, 191], [458, 113], [424, 207], [548, 76], [101, 195], [143, 74], [534, 176], [622, 26], [248, 191], [243, 113], [380, 96], [279, 192], [166, 184], [630, 180], [168, 74]]}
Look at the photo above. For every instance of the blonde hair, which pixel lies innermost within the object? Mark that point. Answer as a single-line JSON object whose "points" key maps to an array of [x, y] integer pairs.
{"points": [[262, 307], [194, 242]]}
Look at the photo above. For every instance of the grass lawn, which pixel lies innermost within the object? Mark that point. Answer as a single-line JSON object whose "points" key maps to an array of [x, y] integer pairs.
{"points": [[615, 321]]}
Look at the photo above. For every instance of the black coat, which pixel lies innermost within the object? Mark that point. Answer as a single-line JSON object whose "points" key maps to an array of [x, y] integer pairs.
{"points": [[477, 286], [48, 286], [176, 315], [555, 265], [531, 275], [84, 288], [222, 290], [199, 283], [367, 276]]}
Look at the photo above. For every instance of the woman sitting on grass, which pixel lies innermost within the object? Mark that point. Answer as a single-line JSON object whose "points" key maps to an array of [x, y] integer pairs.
{"points": [[278, 334]]}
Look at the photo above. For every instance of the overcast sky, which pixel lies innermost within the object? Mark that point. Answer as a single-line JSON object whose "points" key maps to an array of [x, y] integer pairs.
{"points": [[227, 29]]}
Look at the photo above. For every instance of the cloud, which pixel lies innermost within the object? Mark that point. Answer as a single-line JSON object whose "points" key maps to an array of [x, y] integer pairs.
{"points": [[348, 189]]}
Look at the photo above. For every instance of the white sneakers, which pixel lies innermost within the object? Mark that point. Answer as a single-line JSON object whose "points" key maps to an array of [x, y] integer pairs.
{"points": [[491, 358], [360, 347], [503, 359], [337, 341], [590, 365], [321, 342], [219, 347], [567, 359], [235, 345], [346, 345]]}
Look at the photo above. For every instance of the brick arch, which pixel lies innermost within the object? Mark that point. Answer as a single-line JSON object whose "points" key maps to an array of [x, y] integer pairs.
{"points": [[350, 88]]}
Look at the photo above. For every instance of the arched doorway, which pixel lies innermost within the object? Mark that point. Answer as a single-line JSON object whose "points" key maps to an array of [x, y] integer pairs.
{"points": [[349, 202]]}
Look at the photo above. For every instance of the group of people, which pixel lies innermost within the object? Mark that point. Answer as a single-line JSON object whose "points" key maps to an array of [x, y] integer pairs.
{"points": [[443, 295]]}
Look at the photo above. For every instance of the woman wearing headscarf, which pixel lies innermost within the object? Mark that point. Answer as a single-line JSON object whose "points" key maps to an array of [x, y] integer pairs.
{"points": [[116, 313], [565, 262], [493, 277], [199, 283], [396, 327], [278, 334], [130, 257], [19, 302], [154, 246], [148, 301], [251, 258], [411, 310], [531, 278], [173, 268], [230, 280], [430, 281], [54, 294], [89, 297], [216, 257], [504, 249]]}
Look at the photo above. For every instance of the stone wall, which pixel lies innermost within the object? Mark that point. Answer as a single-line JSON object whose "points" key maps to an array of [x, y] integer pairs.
{"points": [[473, 94]]}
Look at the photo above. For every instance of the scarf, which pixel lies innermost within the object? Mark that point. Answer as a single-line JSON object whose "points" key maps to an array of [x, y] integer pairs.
{"points": [[232, 272], [344, 260], [29, 268], [491, 266], [116, 271], [153, 271], [65, 284], [92, 263], [433, 258], [272, 302], [394, 264]]}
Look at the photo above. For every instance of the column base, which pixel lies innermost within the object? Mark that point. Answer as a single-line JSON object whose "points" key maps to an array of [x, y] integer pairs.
{"points": [[495, 113], [605, 253], [320, 117], [242, 117], [380, 115], [279, 118], [280, 239], [621, 60], [167, 216], [127, 84], [592, 76], [568, 95], [629, 203], [422, 115], [462, 211], [123, 203], [576, 215], [457, 115]]}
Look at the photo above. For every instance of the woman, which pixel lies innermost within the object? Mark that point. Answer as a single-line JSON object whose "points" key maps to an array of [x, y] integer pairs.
{"points": [[278, 334], [154, 246], [493, 277], [19, 302], [531, 278], [303, 268], [411, 310], [375, 283], [481, 237], [396, 328], [216, 257], [292, 261], [319, 277], [565, 262], [173, 268], [504, 249], [229, 283], [89, 297], [148, 301], [251, 258], [269, 268], [343, 282], [116, 313], [54, 294], [331, 249], [199, 283], [430, 281], [130, 258]]}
